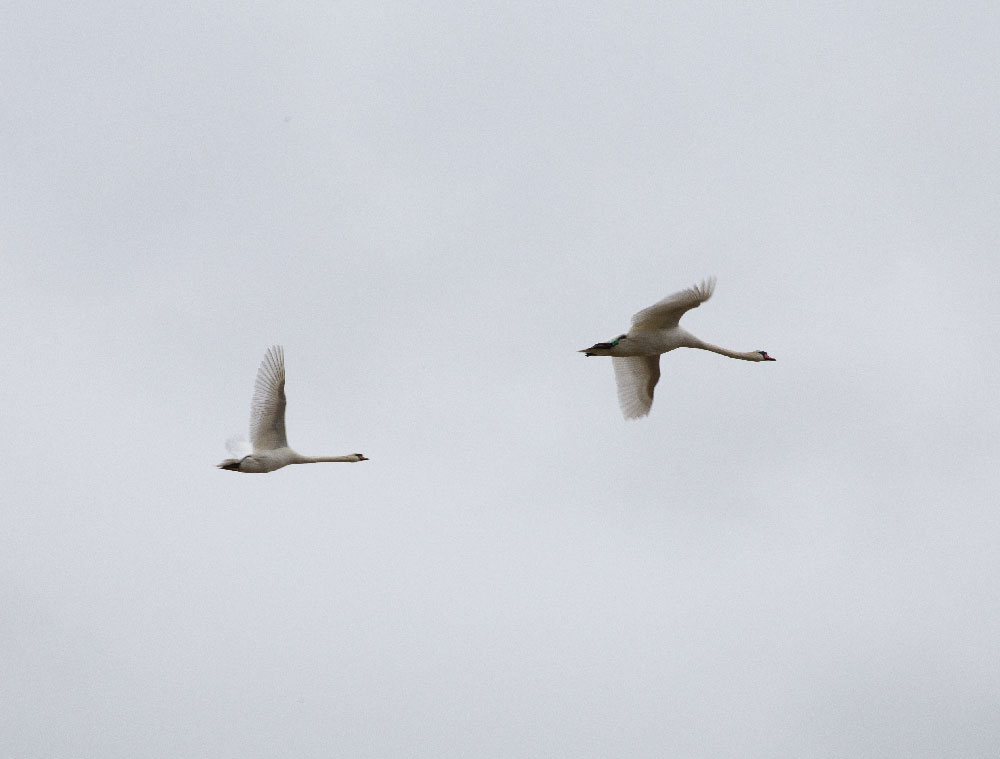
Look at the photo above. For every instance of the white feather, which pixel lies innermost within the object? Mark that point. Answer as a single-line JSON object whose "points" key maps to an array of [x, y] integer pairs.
{"points": [[238, 446], [636, 377]]}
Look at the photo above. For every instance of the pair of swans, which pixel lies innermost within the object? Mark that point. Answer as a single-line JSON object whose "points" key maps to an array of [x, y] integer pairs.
{"points": [[635, 357]]}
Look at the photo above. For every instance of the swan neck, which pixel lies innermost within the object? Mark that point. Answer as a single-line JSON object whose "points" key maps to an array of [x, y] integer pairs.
{"points": [[322, 459], [743, 355]]}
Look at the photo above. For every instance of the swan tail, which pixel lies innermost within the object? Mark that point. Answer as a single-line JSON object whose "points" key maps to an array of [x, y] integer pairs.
{"points": [[232, 465]]}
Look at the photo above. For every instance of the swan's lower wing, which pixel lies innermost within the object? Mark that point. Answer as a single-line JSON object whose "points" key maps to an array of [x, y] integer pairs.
{"points": [[239, 446], [636, 377]]}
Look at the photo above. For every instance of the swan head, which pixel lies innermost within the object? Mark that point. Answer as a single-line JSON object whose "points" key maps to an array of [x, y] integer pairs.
{"points": [[359, 457], [765, 357], [603, 349]]}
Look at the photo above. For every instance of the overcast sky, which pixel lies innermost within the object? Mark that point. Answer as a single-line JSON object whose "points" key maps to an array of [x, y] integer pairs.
{"points": [[433, 206]]}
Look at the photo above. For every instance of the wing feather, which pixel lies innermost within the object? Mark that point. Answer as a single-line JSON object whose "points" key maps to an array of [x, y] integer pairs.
{"points": [[668, 312], [636, 377], [267, 410], [238, 446]]}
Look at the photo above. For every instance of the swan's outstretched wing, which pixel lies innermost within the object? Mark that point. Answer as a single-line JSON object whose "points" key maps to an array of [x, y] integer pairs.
{"points": [[267, 410], [636, 377], [668, 312], [239, 446]]}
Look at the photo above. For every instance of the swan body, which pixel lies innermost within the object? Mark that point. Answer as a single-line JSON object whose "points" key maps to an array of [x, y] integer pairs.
{"points": [[267, 423], [655, 330]]}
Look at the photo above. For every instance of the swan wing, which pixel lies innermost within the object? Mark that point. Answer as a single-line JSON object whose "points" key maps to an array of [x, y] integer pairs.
{"points": [[668, 312], [267, 410], [636, 377], [238, 446]]}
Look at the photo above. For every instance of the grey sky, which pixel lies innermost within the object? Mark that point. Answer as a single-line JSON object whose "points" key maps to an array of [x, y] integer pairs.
{"points": [[432, 207]]}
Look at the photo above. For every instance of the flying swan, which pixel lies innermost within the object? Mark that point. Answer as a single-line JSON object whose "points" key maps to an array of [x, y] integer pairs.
{"points": [[267, 423], [636, 354]]}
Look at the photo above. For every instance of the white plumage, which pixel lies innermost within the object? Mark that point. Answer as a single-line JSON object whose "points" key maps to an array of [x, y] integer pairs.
{"points": [[267, 424], [655, 330]]}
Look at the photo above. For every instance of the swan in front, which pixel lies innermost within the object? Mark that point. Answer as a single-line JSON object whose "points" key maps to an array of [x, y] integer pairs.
{"points": [[655, 330], [267, 423]]}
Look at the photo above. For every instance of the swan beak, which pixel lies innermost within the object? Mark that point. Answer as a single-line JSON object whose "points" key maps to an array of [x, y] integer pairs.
{"points": [[768, 358], [362, 457]]}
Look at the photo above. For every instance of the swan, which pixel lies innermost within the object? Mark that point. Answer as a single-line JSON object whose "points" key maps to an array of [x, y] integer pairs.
{"points": [[267, 423], [655, 330]]}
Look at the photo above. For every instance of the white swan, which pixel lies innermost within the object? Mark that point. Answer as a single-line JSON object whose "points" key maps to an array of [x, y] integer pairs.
{"points": [[267, 423], [655, 330]]}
